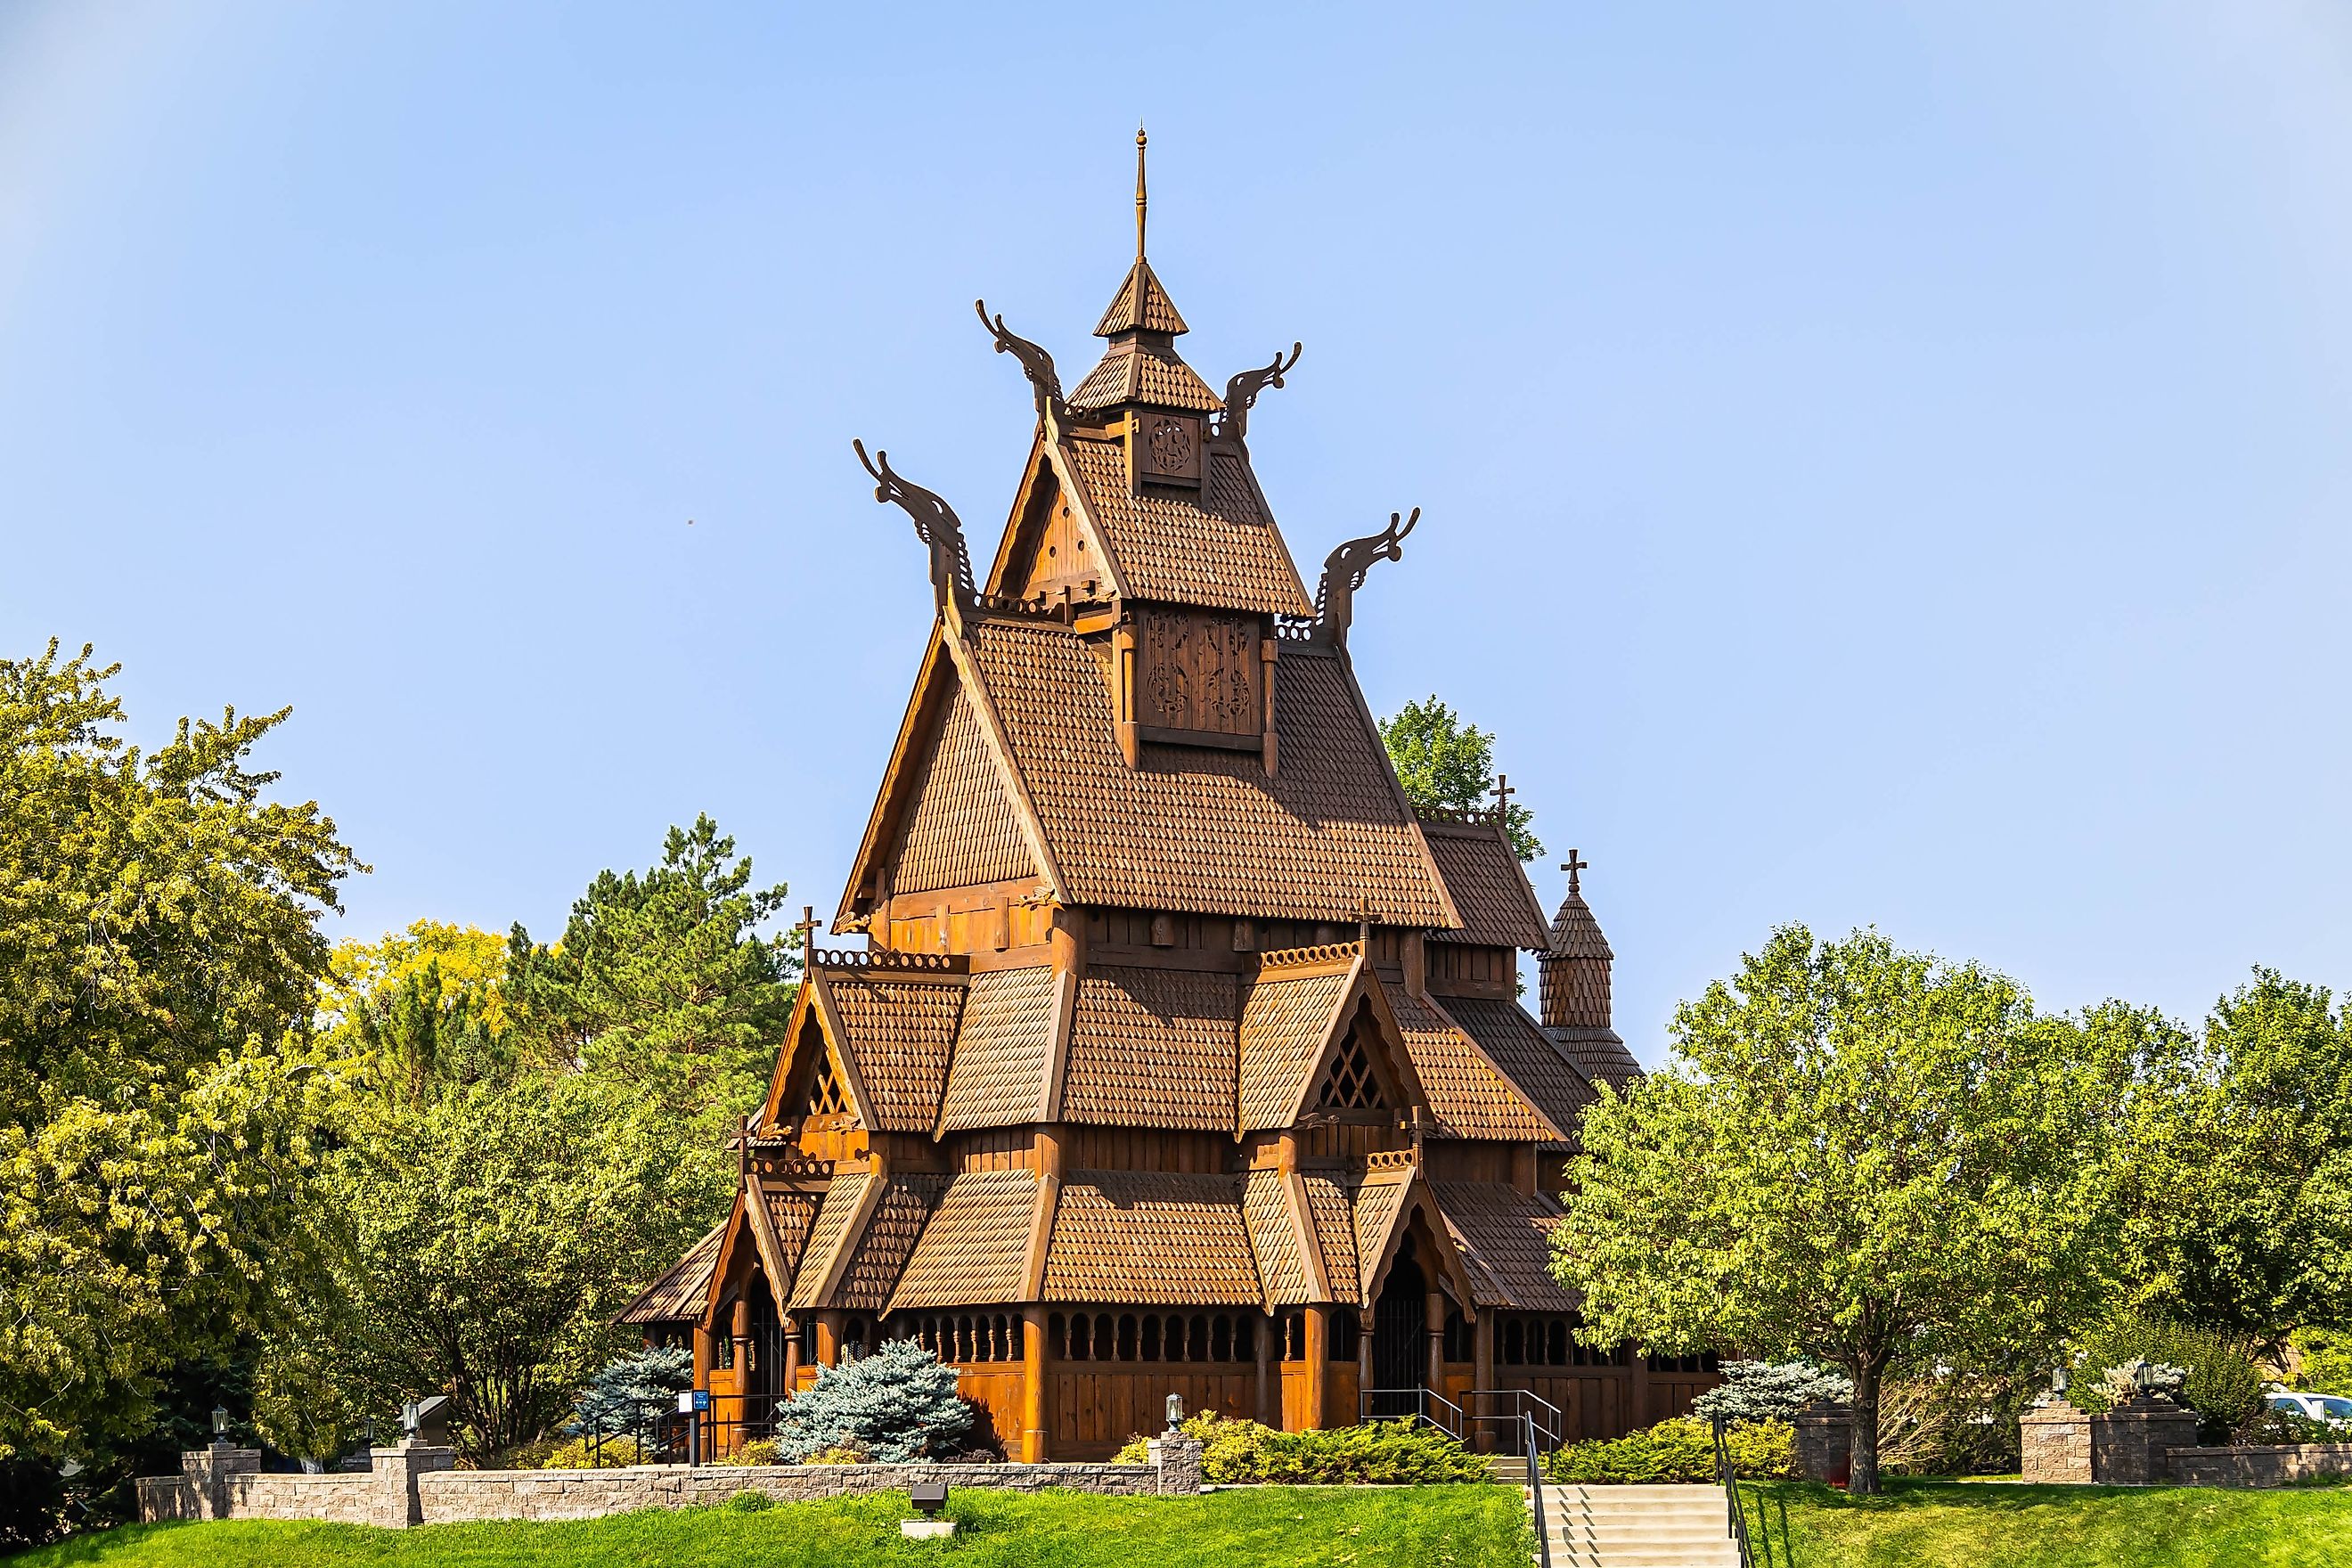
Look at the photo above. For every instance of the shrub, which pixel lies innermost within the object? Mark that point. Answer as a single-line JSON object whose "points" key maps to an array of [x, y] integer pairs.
{"points": [[1769, 1390], [587, 1454], [748, 1501], [1377, 1453], [1681, 1448], [758, 1451], [2223, 1384], [895, 1404], [633, 1392]]}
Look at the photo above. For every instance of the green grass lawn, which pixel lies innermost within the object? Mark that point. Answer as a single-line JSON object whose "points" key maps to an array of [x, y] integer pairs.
{"points": [[1426, 1527], [1952, 1525]]}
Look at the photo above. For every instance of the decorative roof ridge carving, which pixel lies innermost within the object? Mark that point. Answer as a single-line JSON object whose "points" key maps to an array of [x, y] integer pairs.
{"points": [[936, 524], [1035, 364], [1299, 957], [1476, 816], [1242, 390], [883, 958], [1344, 571]]}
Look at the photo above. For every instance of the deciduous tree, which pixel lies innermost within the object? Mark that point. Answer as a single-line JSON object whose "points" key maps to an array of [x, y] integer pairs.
{"points": [[1447, 764]]}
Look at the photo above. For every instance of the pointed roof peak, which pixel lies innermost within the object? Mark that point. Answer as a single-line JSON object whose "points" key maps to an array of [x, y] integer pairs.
{"points": [[1141, 305]]}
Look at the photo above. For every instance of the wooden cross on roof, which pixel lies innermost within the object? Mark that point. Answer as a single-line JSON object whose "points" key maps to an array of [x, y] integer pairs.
{"points": [[1503, 794], [1575, 863], [807, 928]]}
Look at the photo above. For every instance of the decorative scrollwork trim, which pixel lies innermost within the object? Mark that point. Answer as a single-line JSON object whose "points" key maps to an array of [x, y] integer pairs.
{"points": [[936, 524], [1344, 571], [1242, 390]]}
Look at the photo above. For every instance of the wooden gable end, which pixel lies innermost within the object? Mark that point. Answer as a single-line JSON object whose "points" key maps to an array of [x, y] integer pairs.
{"points": [[1053, 545], [816, 1085]]}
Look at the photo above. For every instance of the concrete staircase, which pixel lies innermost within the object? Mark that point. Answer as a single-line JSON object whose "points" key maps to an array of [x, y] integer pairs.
{"points": [[1639, 1527]]}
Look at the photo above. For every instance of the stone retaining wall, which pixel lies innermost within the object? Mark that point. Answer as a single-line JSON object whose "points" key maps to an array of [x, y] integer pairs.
{"points": [[2250, 1465], [414, 1484]]}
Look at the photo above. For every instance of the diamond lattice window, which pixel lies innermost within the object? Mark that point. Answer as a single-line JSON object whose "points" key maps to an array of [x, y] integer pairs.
{"points": [[1350, 1085], [824, 1095]]}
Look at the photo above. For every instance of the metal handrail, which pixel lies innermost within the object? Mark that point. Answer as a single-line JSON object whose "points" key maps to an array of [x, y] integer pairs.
{"points": [[1739, 1520], [1552, 1425], [1535, 1490], [1422, 1398]]}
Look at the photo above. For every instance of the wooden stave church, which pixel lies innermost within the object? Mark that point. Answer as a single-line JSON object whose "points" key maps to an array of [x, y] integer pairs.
{"points": [[1185, 1055]]}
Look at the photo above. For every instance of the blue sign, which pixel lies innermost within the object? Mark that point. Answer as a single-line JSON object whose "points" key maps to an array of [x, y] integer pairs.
{"points": [[701, 1400]]}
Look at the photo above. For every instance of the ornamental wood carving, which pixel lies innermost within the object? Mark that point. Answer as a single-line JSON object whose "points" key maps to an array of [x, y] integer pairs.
{"points": [[1200, 671]]}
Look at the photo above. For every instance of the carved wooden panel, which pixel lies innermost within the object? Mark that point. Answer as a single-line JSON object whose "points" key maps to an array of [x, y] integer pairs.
{"points": [[1165, 448], [1198, 670]]}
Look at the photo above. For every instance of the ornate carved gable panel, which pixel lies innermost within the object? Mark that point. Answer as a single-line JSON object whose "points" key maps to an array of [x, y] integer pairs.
{"points": [[1151, 1237], [1153, 1048], [1207, 830], [1198, 670], [1214, 547], [961, 830]]}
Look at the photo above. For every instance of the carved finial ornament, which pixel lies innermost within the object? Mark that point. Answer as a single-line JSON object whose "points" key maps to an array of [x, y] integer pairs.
{"points": [[936, 524], [1035, 364], [1240, 391], [1576, 862], [1344, 570], [1141, 203]]}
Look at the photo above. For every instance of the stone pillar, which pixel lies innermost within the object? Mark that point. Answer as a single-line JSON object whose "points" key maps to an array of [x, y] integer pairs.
{"points": [[1823, 1450], [2128, 1443], [1178, 1455], [396, 1469], [208, 1471], [2054, 1442]]}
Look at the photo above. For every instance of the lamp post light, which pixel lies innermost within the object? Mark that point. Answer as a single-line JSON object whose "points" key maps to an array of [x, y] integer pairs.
{"points": [[220, 1423], [1175, 1411]]}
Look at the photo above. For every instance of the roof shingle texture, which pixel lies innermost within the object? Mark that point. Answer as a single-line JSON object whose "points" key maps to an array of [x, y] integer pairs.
{"points": [[1333, 1217], [1505, 1033], [1206, 830], [881, 1250], [1147, 374], [827, 1236], [1377, 1206], [971, 1252], [1141, 302], [793, 1212], [1490, 889], [1505, 1236], [1219, 549], [1598, 1055], [1002, 1043], [1274, 1238], [900, 1036], [1151, 1237], [680, 1293], [1285, 1023], [1468, 1098], [1152, 1048], [962, 828]]}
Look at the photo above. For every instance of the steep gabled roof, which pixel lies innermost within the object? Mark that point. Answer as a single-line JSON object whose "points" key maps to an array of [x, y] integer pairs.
{"points": [[1141, 304], [1151, 1237], [1004, 1051], [1535, 1066], [1598, 1055], [897, 1034], [1270, 1209], [1152, 1048], [961, 826], [1490, 888], [1201, 830], [677, 1295], [972, 1251], [1217, 547], [1505, 1236], [1287, 1021], [1467, 1093]]}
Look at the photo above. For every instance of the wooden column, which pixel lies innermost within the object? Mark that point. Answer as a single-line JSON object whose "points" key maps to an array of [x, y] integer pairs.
{"points": [[1434, 1313], [1363, 1358], [1319, 1351], [740, 1330], [1482, 1357], [1263, 1339], [1033, 1391], [828, 1337], [791, 1354]]}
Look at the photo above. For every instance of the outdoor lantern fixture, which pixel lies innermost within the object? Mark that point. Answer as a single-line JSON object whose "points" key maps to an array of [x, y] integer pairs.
{"points": [[220, 1422], [2058, 1381], [408, 1418], [1175, 1411], [929, 1498], [2143, 1377]]}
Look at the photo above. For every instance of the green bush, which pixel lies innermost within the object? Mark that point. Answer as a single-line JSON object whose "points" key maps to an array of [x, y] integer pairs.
{"points": [[758, 1451], [1377, 1453], [895, 1404], [583, 1454], [748, 1502], [2225, 1385], [1681, 1448]]}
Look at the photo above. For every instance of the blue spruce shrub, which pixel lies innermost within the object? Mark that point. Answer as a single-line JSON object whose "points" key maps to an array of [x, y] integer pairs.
{"points": [[632, 1393], [897, 1404], [1770, 1390]]}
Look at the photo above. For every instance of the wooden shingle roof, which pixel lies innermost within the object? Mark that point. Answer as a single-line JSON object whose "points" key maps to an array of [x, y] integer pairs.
{"points": [[973, 1251], [679, 1295], [1151, 1237], [883, 1246], [897, 1034], [1285, 1023], [1266, 1210], [1005, 1042], [1468, 1094], [1598, 1055], [1203, 830], [844, 1197], [1379, 1205], [1217, 548], [1332, 1211], [1144, 372], [1140, 304], [1505, 1236], [1152, 1048], [1490, 888], [961, 828], [1513, 1042]]}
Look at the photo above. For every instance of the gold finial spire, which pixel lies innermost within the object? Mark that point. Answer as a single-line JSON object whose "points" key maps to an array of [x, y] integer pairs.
{"points": [[1140, 204]]}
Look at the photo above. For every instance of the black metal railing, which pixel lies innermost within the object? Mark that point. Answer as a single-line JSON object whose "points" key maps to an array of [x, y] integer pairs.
{"points": [[1423, 1405], [663, 1440], [1500, 1412], [1528, 1436], [1730, 1478]]}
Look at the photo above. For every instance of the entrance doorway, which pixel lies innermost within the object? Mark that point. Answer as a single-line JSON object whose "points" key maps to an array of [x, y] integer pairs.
{"points": [[1400, 1326]]}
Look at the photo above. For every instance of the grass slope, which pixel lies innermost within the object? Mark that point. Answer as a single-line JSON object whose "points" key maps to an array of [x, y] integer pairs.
{"points": [[1427, 1527], [1949, 1524]]}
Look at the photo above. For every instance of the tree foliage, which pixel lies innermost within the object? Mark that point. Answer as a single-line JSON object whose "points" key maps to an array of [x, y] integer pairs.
{"points": [[2240, 1193], [159, 1144], [1861, 1156], [632, 1391], [1770, 1390], [895, 1404], [1446, 764]]}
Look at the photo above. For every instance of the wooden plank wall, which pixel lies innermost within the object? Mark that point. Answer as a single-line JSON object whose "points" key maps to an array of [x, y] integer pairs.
{"points": [[1096, 1410]]}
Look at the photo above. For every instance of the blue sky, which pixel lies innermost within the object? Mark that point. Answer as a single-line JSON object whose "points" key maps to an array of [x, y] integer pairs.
{"points": [[1880, 463]]}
